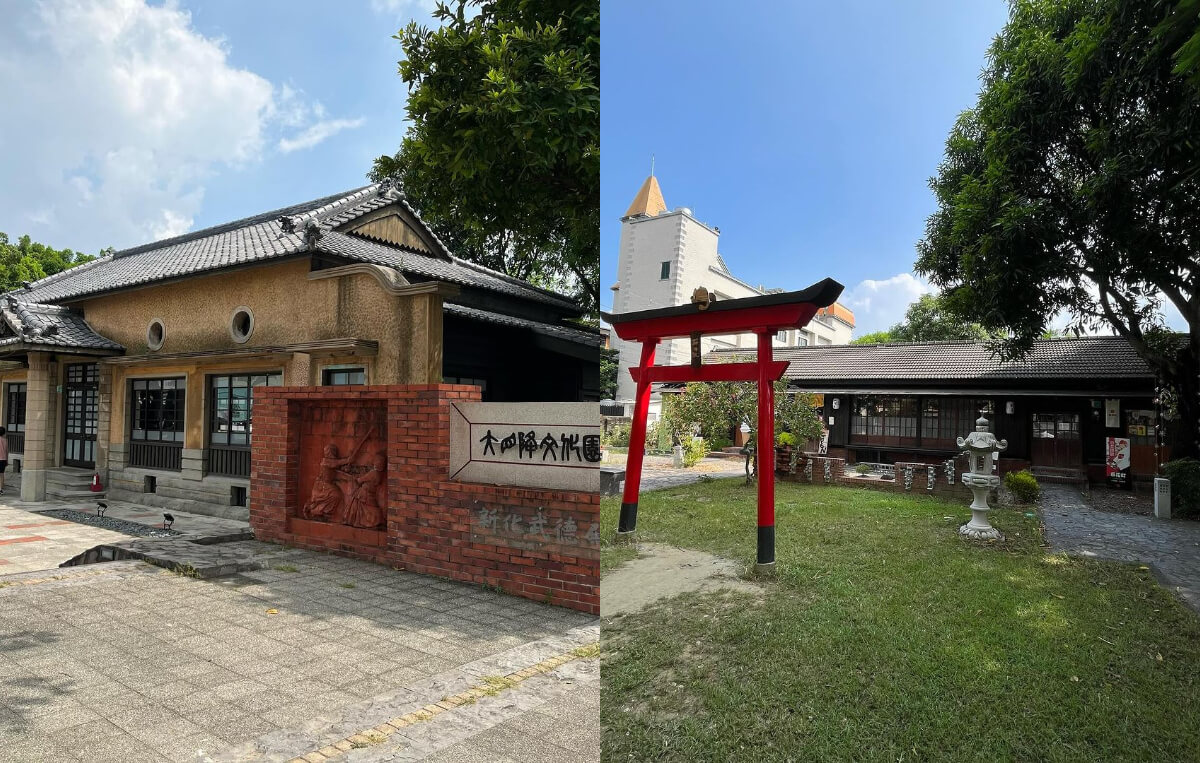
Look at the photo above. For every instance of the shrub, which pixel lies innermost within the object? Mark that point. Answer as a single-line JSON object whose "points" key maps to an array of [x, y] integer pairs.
{"points": [[1023, 485], [785, 438], [719, 442], [618, 436], [694, 449], [862, 468], [1184, 474]]}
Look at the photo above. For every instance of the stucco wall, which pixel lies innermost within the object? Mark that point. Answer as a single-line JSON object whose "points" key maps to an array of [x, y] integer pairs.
{"points": [[196, 312]]}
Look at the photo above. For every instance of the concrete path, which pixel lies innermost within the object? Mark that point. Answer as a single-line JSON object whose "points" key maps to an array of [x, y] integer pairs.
{"points": [[1171, 547], [659, 472], [123, 661]]}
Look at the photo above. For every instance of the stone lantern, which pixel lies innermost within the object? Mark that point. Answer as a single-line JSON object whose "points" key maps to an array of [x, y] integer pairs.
{"points": [[981, 445]]}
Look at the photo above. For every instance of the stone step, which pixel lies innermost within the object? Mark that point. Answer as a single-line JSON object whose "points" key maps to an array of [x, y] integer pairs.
{"points": [[73, 495]]}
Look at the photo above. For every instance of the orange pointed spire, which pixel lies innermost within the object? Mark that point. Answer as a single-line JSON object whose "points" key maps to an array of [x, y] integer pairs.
{"points": [[649, 199]]}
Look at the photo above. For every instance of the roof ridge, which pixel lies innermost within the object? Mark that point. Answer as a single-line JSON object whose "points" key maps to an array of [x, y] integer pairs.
{"points": [[930, 343], [510, 279], [302, 208]]}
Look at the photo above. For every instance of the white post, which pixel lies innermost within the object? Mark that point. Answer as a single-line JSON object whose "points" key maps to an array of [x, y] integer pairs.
{"points": [[1162, 498]]}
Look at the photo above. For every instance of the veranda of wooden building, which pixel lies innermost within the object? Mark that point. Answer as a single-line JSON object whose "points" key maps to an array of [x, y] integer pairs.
{"points": [[909, 402]]}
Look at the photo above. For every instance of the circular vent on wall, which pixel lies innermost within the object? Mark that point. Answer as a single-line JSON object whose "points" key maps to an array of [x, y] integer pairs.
{"points": [[156, 334], [241, 325]]}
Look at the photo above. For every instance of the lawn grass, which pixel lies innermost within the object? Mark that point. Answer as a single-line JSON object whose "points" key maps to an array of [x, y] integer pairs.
{"points": [[886, 637]]}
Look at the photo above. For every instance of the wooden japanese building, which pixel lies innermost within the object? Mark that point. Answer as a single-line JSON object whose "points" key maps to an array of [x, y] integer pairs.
{"points": [[885, 403], [140, 366]]}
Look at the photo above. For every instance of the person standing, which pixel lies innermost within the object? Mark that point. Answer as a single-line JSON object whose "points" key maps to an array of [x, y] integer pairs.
{"points": [[3, 457]]}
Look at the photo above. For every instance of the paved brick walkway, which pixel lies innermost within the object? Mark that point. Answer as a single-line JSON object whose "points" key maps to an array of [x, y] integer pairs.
{"points": [[1171, 547], [124, 661]]}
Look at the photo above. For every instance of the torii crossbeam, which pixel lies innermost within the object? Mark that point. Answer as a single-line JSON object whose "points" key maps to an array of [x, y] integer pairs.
{"points": [[761, 316]]}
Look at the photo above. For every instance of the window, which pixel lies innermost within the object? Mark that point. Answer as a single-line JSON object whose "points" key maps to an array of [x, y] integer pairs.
{"points": [[339, 376], [781, 336], [156, 410], [884, 419], [241, 325], [231, 405], [802, 339], [156, 334], [665, 272], [14, 410], [944, 420]]}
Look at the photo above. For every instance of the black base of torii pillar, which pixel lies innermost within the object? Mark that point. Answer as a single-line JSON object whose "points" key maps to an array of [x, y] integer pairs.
{"points": [[761, 316]]}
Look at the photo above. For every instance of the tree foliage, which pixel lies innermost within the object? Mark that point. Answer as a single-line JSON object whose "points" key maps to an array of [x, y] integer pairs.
{"points": [[27, 260], [609, 366], [927, 320], [1073, 184], [503, 154], [715, 408], [875, 337]]}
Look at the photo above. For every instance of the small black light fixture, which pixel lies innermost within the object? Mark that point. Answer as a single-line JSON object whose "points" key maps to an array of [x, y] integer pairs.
{"points": [[168, 520], [101, 507]]}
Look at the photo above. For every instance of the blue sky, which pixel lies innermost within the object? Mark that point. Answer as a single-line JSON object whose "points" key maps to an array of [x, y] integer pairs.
{"points": [[806, 132], [139, 120]]}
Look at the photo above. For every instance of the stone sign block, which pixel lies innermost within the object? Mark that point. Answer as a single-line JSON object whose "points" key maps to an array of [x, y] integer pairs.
{"points": [[546, 445]]}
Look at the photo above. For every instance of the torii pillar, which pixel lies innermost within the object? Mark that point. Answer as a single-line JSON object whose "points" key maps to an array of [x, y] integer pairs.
{"points": [[762, 316]]}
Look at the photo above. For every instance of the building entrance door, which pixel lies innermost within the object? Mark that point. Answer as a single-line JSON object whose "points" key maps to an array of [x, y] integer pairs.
{"points": [[1056, 441], [82, 392]]}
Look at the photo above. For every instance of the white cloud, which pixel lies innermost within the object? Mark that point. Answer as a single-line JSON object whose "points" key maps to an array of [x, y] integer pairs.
{"points": [[116, 112], [317, 133], [878, 305]]}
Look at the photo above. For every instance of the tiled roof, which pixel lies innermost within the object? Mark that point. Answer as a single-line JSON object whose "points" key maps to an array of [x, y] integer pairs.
{"points": [[570, 334], [1098, 357], [274, 234], [649, 199], [50, 325], [453, 271]]}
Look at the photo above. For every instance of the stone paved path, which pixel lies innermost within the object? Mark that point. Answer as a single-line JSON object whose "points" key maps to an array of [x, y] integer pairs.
{"points": [[1171, 547], [659, 472], [30, 541], [123, 661]]}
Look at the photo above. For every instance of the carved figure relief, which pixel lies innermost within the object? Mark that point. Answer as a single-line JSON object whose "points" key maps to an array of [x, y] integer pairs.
{"points": [[346, 489]]}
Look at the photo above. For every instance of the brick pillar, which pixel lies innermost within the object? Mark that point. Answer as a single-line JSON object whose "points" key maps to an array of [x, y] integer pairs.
{"points": [[103, 420], [38, 417]]}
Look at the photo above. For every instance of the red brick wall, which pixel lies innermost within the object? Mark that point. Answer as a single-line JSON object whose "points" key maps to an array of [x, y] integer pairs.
{"points": [[435, 526]]}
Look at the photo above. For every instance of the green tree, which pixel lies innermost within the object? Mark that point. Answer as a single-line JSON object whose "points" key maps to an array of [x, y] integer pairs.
{"points": [[503, 154], [609, 362], [28, 261], [714, 408], [1073, 185], [875, 337], [930, 319]]}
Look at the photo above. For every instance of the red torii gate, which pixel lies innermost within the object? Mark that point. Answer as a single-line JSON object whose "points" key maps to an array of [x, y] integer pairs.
{"points": [[762, 316]]}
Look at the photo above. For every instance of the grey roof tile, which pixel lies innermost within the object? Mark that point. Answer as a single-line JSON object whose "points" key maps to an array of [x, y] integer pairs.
{"points": [[1100, 357], [50, 325], [453, 271], [266, 236], [570, 334]]}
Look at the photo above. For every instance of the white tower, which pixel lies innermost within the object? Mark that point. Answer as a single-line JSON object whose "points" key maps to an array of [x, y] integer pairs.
{"points": [[664, 256]]}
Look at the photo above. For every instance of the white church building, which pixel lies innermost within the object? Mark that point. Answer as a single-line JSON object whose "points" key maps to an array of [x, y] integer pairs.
{"points": [[664, 256]]}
